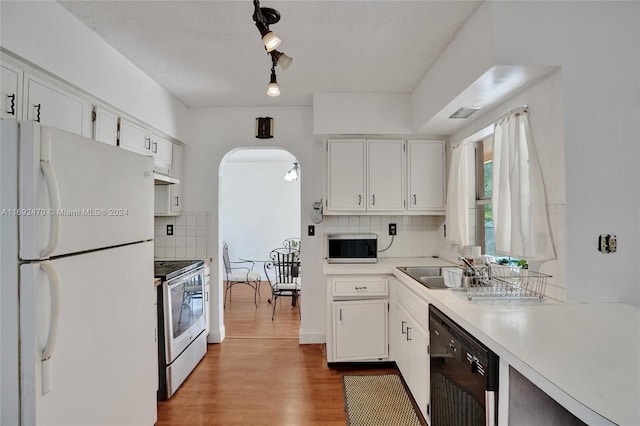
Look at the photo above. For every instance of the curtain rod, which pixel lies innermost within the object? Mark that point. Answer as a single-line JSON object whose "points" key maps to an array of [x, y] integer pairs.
{"points": [[517, 111]]}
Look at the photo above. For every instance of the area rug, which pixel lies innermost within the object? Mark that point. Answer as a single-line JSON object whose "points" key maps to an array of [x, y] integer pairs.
{"points": [[378, 400]]}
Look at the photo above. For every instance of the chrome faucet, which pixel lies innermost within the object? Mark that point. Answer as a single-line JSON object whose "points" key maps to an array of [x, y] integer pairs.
{"points": [[471, 270]]}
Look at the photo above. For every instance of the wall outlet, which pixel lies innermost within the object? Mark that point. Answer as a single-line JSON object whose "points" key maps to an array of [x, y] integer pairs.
{"points": [[607, 243], [392, 229], [311, 230], [169, 229]]}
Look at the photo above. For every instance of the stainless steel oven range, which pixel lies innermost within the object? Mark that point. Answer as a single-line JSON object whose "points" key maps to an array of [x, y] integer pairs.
{"points": [[181, 322]]}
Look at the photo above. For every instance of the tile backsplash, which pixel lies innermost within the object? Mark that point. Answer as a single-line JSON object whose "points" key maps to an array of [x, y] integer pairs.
{"points": [[417, 236], [190, 239]]}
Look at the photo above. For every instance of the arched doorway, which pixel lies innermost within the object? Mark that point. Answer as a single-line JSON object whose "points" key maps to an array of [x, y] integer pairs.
{"points": [[258, 210]]}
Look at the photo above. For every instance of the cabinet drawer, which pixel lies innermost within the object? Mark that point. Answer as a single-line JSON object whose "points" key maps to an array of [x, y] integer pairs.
{"points": [[360, 287], [416, 306]]}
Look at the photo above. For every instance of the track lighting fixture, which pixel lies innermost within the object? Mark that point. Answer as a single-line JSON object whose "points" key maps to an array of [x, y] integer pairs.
{"points": [[263, 17]]}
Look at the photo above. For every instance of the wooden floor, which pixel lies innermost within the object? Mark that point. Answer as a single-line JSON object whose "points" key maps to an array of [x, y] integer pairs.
{"points": [[259, 375]]}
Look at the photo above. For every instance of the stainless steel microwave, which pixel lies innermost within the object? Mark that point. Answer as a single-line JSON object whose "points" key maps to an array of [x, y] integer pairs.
{"points": [[352, 248]]}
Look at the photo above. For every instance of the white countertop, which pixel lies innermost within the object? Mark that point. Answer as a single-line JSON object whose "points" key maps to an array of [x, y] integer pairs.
{"points": [[585, 356]]}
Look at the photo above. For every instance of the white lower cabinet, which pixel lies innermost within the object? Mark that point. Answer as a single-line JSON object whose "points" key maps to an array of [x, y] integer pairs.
{"points": [[410, 343], [360, 329]]}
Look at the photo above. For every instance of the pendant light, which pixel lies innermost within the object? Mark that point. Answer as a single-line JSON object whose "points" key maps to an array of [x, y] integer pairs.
{"points": [[273, 89]]}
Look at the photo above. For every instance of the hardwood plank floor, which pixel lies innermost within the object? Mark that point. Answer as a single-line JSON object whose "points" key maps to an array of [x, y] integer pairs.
{"points": [[259, 375]]}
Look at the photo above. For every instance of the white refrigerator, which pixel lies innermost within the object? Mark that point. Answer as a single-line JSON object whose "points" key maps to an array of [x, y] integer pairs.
{"points": [[77, 327]]}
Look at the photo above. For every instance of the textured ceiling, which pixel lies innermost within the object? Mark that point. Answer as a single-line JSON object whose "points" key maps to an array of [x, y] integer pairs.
{"points": [[209, 53]]}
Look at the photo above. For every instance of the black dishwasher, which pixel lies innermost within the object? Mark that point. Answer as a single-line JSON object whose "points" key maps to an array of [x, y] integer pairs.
{"points": [[464, 375]]}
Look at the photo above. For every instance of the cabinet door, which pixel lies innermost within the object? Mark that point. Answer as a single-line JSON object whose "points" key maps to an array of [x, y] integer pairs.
{"points": [[417, 361], [426, 175], [175, 190], [162, 151], [346, 186], [52, 106], [360, 330], [134, 138], [10, 92], [385, 175], [105, 126]]}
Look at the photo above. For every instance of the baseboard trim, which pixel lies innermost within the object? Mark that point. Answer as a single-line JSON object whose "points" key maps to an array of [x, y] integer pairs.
{"points": [[311, 337], [216, 336]]}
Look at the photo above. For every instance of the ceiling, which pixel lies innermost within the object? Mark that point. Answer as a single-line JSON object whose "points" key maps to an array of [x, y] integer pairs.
{"points": [[209, 53]]}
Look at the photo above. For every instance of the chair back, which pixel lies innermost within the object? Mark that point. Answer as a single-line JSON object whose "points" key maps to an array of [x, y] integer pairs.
{"points": [[225, 258], [286, 263], [292, 243]]}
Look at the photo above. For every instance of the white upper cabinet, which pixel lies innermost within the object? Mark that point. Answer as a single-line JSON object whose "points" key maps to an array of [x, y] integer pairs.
{"points": [[105, 126], [162, 151], [135, 138], [385, 175], [346, 185], [426, 175], [10, 92], [52, 106]]}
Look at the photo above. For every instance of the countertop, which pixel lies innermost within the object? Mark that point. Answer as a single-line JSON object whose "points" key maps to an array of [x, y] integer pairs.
{"points": [[586, 356]]}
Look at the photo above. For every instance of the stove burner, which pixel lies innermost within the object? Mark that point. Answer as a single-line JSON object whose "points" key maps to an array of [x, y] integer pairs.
{"points": [[169, 269]]}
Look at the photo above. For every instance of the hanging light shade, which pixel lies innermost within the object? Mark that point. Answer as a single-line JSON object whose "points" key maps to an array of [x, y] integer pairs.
{"points": [[281, 59], [293, 174], [271, 41], [273, 89]]}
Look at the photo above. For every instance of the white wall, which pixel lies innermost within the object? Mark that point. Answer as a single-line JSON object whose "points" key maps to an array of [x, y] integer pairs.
{"points": [[259, 208], [596, 44], [361, 113], [217, 131], [45, 34]]}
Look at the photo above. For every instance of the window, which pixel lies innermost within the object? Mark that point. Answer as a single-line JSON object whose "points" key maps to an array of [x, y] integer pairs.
{"points": [[485, 236]]}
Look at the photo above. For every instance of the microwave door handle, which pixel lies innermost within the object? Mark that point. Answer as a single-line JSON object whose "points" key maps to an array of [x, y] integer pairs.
{"points": [[54, 322], [54, 198]]}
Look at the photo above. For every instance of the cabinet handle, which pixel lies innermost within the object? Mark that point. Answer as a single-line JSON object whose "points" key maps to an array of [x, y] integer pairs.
{"points": [[408, 335], [37, 107], [403, 329], [415, 200], [177, 203], [147, 143], [155, 147], [363, 288], [373, 197], [340, 314], [359, 199], [12, 111]]}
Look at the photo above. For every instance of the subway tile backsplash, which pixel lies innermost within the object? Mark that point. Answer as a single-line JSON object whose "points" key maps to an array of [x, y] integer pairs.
{"points": [[190, 239], [417, 236]]}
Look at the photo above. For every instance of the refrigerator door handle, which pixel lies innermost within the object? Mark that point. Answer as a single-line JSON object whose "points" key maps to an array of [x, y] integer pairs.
{"points": [[54, 284], [54, 197], [52, 338]]}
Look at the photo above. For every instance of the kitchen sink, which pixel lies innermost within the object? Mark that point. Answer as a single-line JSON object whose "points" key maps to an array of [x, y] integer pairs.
{"points": [[429, 276]]}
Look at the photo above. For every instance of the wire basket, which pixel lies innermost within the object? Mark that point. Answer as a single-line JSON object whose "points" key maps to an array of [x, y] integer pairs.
{"points": [[499, 282]]}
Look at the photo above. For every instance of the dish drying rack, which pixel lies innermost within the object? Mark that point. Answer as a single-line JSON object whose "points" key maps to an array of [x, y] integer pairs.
{"points": [[499, 282]]}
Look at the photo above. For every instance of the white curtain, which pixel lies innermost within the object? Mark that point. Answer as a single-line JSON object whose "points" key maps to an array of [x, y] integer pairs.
{"points": [[520, 217], [457, 210]]}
